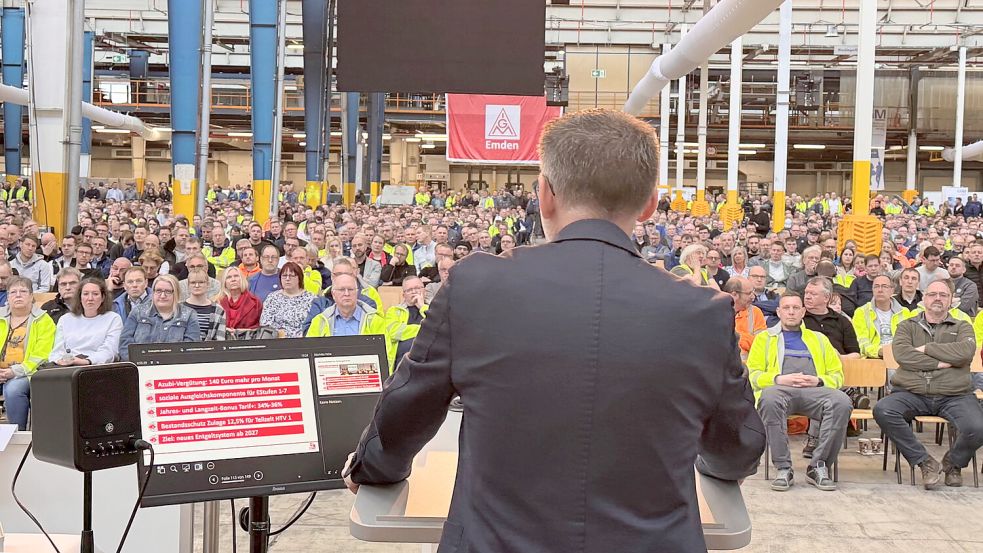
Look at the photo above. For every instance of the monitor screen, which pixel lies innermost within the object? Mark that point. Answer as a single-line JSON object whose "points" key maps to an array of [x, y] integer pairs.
{"points": [[254, 418]]}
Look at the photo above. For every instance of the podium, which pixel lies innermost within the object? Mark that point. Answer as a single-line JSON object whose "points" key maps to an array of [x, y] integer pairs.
{"points": [[414, 511]]}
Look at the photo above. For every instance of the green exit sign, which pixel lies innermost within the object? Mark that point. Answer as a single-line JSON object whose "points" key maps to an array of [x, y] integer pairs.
{"points": [[120, 58], [598, 73]]}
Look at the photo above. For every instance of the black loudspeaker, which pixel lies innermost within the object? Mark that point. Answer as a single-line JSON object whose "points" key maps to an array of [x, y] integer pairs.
{"points": [[86, 418]]}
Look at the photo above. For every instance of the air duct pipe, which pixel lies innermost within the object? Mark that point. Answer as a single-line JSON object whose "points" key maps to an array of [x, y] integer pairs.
{"points": [[106, 117], [718, 28], [13, 74], [971, 152]]}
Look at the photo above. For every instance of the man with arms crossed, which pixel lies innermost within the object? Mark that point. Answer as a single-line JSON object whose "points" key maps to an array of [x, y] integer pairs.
{"points": [[605, 483]]}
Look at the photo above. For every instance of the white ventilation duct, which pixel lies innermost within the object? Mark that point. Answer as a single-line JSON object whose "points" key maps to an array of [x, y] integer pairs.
{"points": [[971, 152], [718, 28], [97, 114]]}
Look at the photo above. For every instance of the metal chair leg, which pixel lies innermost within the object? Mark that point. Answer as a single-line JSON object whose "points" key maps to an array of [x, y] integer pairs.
{"points": [[767, 458]]}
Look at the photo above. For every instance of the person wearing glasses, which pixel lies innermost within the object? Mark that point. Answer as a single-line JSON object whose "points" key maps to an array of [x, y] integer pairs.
{"points": [[267, 280], [748, 319], [287, 309], [27, 335], [162, 320], [716, 273], [348, 316], [211, 315]]}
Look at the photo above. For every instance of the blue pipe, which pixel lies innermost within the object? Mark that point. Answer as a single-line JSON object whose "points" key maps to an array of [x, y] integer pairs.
{"points": [[12, 34], [88, 39], [351, 135], [315, 39], [184, 24], [376, 122], [262, 61]]}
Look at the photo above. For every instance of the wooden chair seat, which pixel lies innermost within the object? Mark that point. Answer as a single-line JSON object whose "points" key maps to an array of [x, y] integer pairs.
{"points": [[979, 395], [862, 415], [931, 419]]}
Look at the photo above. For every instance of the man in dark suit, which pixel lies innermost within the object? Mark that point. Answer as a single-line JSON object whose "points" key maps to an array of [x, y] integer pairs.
{"points": [[584, 418]]}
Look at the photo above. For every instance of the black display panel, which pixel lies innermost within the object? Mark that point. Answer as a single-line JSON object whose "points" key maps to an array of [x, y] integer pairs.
{"points": [[254, 418], [466, 46]]}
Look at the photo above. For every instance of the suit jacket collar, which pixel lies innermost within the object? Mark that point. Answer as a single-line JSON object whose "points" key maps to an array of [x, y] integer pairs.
{"points": [[598, 230]]}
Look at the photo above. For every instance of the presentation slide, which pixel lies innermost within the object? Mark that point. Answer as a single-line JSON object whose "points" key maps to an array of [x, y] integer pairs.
{"points": [[247, 409]]}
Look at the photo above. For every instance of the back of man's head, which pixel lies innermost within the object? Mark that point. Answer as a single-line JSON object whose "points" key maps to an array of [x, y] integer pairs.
{"points": [[602, 161]]}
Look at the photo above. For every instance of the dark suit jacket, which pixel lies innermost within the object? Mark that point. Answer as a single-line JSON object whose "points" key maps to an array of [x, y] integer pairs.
{"points": [[583, 418]]}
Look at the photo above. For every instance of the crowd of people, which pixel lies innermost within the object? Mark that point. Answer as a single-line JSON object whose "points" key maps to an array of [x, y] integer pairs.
{"points": [[133, 272]]}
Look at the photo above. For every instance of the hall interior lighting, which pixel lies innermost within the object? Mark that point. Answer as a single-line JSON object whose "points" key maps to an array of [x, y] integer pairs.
{"points": [[113, 131], [432, 137], [300, 135], [809, 146], [747, 152], [428, 146], [295, 46], [413, 139], [303, 143], [931, 148], [387, 136], [896, 148], [749, 146], [240, 134], [335, 133]]}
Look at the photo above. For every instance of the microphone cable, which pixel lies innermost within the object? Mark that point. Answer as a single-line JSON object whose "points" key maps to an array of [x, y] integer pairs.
{"points": [[13, 492], [139, 445]]}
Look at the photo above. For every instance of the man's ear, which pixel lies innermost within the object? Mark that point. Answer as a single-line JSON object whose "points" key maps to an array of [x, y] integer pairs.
{"points": [[650, 206], [547, 201]]}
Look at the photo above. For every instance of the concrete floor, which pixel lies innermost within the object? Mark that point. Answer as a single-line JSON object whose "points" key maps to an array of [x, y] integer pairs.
{"points": [[869, 512]]}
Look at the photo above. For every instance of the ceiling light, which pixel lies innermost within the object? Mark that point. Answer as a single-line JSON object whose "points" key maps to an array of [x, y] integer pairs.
{"points": [[896, 148], [163, 129], [335, 133], [387, 136], [413, 139], [240, 134], [113, 131], [429, 146], [752, 146], [432, 137], [809, 146], [290, 87], [931, 148], [97, 127], [747, 152], [300, 135], [303, 143], [295, 46]]}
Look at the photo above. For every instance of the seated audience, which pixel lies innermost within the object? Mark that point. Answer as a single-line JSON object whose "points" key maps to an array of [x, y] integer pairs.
{"points": [[267, 280], [90, 333], [137, 292], [444, 265], [934, 352], [67, 282], [403, 320], [796, 371], [242, 308], [347, 316], [764, 299], [164, 319], [197, 262], [211, 315], [748, 319], [909, 296], [27, 335], [31, 265], [394, 273], [286, 309], [967, 294]]}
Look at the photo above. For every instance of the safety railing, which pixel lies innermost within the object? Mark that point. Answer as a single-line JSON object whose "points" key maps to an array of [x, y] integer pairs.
{"points": [[129, 94]]}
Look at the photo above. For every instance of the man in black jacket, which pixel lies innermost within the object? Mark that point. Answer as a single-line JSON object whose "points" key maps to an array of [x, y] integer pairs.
{"points": [[974, 266], [607, 481]]}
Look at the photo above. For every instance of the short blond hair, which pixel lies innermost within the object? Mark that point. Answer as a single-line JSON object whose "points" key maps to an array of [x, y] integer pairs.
{"points": [[601, 160]]}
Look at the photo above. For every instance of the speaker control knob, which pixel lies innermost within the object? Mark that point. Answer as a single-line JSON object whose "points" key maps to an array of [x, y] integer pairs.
{"points": [[88, 450]]}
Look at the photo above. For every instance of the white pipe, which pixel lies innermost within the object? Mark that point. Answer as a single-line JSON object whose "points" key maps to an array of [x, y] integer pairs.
{"points": [[664, 115], [97, 114], [970, 152], [734, 140], [204, 120], [781, 116], [864, 113], [281, 52], [701, 134], [681, 129], [726, 21], [912, 174], [957, 168]]}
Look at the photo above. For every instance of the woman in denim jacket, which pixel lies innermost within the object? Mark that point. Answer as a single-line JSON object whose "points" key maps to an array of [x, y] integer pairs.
{"points": [[162, 320]]}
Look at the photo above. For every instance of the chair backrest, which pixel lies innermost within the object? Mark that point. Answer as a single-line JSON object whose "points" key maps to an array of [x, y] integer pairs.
{"points": [[888, 353], [660, 263], [41, 298], [390, 296], [977, 365], [864, 373]]}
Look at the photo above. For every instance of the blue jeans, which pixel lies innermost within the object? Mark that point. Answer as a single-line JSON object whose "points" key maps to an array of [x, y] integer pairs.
{"points": [[978, 381], [17, 400], [895, 412]]}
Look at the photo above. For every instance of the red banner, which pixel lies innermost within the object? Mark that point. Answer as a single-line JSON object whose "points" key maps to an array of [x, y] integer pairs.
{"points": [[496, 129]]}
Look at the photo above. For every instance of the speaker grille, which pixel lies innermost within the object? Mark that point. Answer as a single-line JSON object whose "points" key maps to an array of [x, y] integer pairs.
{"points": [[108, 402]]}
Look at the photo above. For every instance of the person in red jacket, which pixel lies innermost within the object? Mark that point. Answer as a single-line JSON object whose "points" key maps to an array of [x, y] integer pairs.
{"points": [[242, 308]]}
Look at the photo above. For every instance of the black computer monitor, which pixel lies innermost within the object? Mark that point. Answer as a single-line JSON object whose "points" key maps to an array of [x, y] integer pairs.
{"points": [[254, 418]]}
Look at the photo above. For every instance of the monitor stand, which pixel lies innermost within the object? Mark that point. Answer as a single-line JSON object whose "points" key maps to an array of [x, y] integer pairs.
{"points": [[259, 524], [88, 541]]}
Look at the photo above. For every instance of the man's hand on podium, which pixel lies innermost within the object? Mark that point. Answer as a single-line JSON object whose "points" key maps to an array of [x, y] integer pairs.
{"points": [[352, 486]]}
